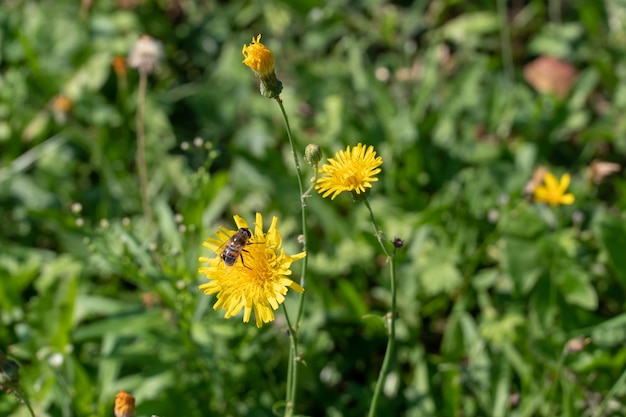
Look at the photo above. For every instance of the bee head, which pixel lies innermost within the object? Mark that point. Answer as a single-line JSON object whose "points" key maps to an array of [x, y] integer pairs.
{"points": [[245, 231]]}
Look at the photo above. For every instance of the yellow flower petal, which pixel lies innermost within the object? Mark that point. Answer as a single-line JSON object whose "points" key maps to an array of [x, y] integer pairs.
{"points": [[564, 183], [550, 181], [258, 57], [567, 199]]}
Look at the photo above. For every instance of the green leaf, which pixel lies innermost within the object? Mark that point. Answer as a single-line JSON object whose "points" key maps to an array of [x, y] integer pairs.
{"points": [[500, 329], [131, 324], [353, 298], [470, 26], [521, 259], [612, 233], [521, 222], [576, 289], [441, 278]]}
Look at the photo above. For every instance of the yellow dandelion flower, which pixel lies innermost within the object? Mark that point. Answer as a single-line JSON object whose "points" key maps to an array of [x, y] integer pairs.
{"points": [[261, 60], [553, 191], [351, 170], [258, 278], [124, 404]]}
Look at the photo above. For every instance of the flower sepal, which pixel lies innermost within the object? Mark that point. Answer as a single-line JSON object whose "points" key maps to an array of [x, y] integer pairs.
{"points": [[270, 87], [359, 197]]}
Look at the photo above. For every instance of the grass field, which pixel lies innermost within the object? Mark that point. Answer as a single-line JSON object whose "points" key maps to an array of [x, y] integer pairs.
{"points": [[479, 271]]}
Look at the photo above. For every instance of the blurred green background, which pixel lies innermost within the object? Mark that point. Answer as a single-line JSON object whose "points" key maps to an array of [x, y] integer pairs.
{"points": [[506, 307]]}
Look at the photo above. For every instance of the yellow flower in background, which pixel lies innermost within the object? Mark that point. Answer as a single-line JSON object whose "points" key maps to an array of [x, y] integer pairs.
{"points": [[261, 60], [553, 191], [257, 283], [258, 57], [351, 170], [124, 404]]}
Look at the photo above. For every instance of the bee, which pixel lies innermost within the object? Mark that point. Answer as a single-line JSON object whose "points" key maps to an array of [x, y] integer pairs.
{"points": [[235, 246]]}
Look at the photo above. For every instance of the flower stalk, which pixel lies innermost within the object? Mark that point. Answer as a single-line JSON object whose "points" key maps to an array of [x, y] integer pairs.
{"points": [[354, 170], [141, 148], [390, 317], [261, 60], [145, 57], [292, 378]]}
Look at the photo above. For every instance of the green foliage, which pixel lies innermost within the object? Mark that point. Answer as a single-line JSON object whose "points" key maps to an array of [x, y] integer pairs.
{"points": [[492, 288]]}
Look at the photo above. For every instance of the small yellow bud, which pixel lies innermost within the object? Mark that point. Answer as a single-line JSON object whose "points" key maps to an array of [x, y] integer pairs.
{"points": [[261, 60]]}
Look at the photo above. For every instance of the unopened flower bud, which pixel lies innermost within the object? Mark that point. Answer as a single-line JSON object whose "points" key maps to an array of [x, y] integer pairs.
{"points": [[9, 370], [124, 404], [312, 154], [119, 65]]}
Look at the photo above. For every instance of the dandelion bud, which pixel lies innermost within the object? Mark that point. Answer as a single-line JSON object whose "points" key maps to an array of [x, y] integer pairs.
{"points": [[312, 154], [145, 55], [261, 60], [9, 370], [119, 65], [124, 404]]}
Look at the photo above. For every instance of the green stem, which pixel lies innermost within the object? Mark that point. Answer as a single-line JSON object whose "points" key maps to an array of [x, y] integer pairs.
{"points": [[554, 11], [390, 317], [377, 232], [292, 379], [505, 41], [292, 368], [141, 147], [22, 395], [617, 387]]}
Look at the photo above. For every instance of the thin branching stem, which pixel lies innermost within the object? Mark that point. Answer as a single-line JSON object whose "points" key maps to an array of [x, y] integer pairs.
{"points": [[292, 378], [390, 318], [141, 147], [24, 398]]}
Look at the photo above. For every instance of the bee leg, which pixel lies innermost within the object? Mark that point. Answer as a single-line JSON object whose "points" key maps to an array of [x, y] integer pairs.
{"points": [[242, 262]]}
